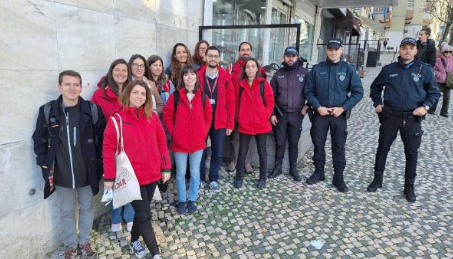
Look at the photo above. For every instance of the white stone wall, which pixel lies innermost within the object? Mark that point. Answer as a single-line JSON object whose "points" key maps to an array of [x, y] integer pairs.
{"points": [[39, 39]]}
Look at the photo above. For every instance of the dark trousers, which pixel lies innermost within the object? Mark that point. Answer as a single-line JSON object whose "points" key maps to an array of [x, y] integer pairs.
{"points": [[142, 220], [217, 140], [338, 133], [411, 133], [289, 127], [244, 141], [445, 101]]}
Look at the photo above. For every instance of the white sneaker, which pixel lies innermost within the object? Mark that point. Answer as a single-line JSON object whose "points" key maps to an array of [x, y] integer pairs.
{"points": [[214, 187], [116, 227], [138, 249], [129, 226], [157, 256]]}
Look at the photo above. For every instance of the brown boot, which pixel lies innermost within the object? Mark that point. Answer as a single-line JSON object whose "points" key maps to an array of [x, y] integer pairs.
{"points": [[87, 251]]}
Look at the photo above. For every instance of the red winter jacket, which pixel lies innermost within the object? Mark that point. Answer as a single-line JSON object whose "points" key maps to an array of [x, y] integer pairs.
{"points": [[224, 113], [235, 71], [253, 117], [189, 127], [108, 101], [144, 143]]}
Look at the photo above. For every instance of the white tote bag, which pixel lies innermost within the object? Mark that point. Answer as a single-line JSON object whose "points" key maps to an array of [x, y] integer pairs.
{"points": [[126, 188]]}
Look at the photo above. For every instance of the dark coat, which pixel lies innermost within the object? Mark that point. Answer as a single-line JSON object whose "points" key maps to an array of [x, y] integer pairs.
{"points": [[407, 87], [46, 138], [430, 54], [333, 85]]}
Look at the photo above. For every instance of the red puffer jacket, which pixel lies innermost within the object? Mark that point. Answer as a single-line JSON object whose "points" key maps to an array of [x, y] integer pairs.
{"points": [[108, 101], [190, 125], [144, 143], [253, 117], [224, 113]]}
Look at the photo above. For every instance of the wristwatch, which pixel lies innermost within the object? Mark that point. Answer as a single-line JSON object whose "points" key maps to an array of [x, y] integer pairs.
{"points": [[426, 107]]}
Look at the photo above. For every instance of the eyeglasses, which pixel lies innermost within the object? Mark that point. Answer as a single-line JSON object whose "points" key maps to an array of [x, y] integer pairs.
{"points": [[448, 51], [135, 65], [213, 56]]}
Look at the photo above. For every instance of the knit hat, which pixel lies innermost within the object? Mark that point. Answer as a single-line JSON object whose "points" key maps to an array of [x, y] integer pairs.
{"points": [[447, 48]]}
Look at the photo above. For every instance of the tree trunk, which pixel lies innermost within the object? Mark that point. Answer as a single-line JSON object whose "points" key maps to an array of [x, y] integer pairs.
{"points": [[447, 30]]}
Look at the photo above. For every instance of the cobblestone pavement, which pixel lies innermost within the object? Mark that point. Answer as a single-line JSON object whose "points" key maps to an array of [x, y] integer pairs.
{"points": [[282, 220]]}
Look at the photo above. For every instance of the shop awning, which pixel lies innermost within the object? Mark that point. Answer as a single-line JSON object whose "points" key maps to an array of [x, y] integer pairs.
{"points": [[353, 3], [350, 22], [372, 24]]}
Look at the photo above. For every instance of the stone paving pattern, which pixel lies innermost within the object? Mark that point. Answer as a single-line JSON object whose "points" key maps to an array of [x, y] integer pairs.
{"points": [[280, 221]]}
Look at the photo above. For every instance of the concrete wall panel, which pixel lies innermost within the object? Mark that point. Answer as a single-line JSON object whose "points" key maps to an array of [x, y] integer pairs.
{"points": [[85, 38], [27, 25], [134, 37], [136, 9], [105, 6]]}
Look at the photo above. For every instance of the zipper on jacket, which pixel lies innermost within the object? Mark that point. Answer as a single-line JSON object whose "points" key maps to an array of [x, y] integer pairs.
{"points": [[75, 136], [69, 149]]}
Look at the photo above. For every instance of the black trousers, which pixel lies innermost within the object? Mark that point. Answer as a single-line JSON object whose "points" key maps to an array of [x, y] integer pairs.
{"points": [[338, 133], [445, 100], [142, 220], [411, 134], [244, 141], [289, 127]]}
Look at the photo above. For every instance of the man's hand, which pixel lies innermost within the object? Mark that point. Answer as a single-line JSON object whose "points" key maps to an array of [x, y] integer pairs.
{"points": [[323, 111], [108, 185], [336, 111], [165, 177], [274, 120], [228, 132], [304, 110], [378, 108], [420, 111]]}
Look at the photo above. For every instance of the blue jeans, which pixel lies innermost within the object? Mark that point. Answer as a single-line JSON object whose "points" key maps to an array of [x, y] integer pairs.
{"points": [[181, 166], [217, 140], [126, 212]]}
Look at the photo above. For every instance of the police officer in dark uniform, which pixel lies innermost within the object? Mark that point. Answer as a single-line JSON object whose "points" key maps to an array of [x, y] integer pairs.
{"points": [[332, 90], [288, 85], [410, 89]]}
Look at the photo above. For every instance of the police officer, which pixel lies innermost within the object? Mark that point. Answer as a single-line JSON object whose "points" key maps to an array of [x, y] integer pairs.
{"points": [[332, 90], [410, 89], [288, 85]]}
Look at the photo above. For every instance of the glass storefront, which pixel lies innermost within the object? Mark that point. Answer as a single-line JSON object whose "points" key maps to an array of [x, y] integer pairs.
{"points": [[306, 38]]}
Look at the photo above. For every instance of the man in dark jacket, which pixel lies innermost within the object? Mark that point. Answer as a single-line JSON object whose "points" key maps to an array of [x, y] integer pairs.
{"points": [[426, 48], [67, 143], [288, 85], [410, 89], [332, 90]]}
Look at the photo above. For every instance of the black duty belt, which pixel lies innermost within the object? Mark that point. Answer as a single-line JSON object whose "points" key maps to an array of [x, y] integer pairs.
{"points": [[402, 114]]}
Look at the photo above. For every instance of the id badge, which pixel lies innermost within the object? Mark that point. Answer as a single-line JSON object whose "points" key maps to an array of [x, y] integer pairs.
{"points": [[212, 101]]}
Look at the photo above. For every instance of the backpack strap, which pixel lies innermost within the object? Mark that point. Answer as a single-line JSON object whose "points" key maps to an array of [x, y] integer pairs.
{"points": [[94, 112], [175, 100], [203, 98], [262, 92], [445, 65], [47, 107]]}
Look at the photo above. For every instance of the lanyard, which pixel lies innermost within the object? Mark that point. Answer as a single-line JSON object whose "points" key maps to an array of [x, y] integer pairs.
{"points": [[211, 90]]}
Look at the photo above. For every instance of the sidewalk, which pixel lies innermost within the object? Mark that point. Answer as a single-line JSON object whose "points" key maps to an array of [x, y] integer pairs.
{"points": [[280, 221]]}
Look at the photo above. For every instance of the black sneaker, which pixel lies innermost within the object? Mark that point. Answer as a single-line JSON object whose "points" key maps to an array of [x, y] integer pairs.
{"points": [[191, 207], [261, 184], [182, 209], [444, 115], [238, 183], [316, 177]]}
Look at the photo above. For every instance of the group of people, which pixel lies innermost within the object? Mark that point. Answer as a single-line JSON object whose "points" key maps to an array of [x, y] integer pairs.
{"points": [[195, 98]]}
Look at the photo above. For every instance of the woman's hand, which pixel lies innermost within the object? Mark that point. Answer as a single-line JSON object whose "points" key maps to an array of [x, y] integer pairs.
{"points": [[108, 185], [165, 177]]}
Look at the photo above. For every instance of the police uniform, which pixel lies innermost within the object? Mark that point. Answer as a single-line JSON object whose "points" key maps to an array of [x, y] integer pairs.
{"points": [[331, 85], [407, 87], [288, 85]]}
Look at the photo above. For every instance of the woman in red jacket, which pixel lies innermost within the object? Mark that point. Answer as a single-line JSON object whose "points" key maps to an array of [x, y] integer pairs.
{"points": [[110, 87], [146, 147], [106, 96], [253, 108], [188, 120]]}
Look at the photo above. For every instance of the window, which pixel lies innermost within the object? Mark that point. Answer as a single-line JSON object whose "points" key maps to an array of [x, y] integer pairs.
{"points": [[306, 38]]}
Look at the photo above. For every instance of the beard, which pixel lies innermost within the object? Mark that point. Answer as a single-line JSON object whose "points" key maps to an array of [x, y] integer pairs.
{"points": [[212, 66], [245, 57]]}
